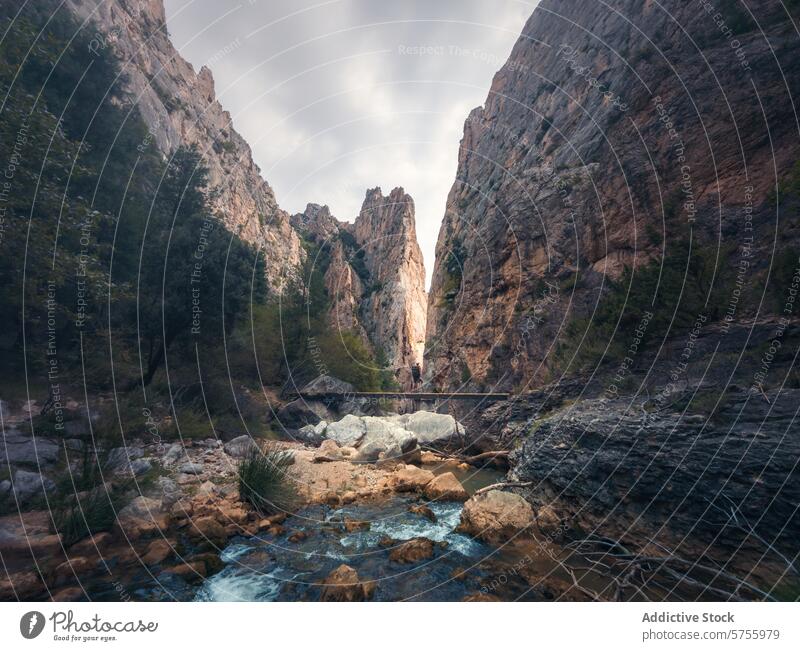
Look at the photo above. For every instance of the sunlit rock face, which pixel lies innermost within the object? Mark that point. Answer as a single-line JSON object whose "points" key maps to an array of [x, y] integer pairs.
{"points": [[179, 106], [396, 304], [612, 129], [375, 276]]}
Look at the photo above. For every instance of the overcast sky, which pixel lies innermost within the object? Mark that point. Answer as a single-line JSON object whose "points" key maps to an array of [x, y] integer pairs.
{"points": [[334, 99]]}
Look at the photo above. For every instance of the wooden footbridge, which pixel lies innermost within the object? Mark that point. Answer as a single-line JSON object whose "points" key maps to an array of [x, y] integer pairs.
{"points": [[420, 396]]}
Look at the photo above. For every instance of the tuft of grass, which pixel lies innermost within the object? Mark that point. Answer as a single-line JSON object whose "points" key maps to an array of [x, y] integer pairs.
{"points": [[264, 481], [87, 513], [84, 504]]}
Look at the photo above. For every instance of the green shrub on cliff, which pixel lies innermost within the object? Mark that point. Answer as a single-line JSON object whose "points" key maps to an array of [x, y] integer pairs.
{"points": [[688, 283]]}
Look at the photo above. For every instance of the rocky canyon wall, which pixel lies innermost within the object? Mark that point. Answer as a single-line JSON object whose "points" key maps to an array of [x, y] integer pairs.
{"points": [[375, 276], [180, 108], [613, 131]]}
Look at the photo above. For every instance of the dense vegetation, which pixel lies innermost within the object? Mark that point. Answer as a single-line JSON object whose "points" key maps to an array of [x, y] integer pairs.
{"points": [[116, 275]]}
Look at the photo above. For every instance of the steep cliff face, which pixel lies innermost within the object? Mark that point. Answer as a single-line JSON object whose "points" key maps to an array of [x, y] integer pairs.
{"points": [[614, 131], [180, 108], [375, 276]]}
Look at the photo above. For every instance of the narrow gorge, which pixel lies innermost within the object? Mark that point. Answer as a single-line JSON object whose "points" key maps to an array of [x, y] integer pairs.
{"points": [[208, 398]]}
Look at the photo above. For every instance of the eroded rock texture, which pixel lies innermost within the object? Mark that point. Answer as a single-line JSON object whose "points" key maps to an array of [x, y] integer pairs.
{"points": [[180, 108], [613, 128], [626, 470], [375, 276]]}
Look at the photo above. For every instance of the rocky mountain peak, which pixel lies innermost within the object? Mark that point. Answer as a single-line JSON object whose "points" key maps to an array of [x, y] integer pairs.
{"points": [[391, 217], [375, 276], [317, 221], [397, 302], [205, 84]]}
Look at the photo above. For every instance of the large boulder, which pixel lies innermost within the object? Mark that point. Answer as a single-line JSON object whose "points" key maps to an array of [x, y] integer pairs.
{"points": [[29, 485], [300, 413], [329, 450], [376, 438], [412, 551], [168, 491], [240, 447], [446, 487], [121, 458], [347, 432], [432, 429], [175, 452], [384, 440], [495, 516], [344, 584], [326, 384], [140, 467], [313, 434], [190, 468], [18, 448]]}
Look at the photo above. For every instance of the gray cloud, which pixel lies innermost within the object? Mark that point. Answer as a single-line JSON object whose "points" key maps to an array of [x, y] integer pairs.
{"points": [[336, 96]]}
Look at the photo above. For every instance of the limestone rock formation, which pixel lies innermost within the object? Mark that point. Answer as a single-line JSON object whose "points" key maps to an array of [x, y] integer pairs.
{"points": [[180, 107], [613, 128], [375, 275]]}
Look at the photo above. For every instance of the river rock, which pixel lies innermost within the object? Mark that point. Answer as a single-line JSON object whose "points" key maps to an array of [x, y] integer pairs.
{"points": [[313, 434], [74, 445], [446, 487], [157, 552], [412, 551], [34, 451], [347, 432], [29, 485], [410, 479], [240, 447], [140, 466], [121, 458], [384, 440], [23, 534], [424, 511], [91, 545], [173, 453], [69, 594], [191, 572], [169, 491], [143, 516], [191, 468], [432, 429], [495, 516], [329, 450], [72, 568], [207, 531], [344, 584], [20, 585]]}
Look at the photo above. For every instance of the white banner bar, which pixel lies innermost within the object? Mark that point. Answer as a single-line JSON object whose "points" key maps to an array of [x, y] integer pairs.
{"points": [[387, 627]]}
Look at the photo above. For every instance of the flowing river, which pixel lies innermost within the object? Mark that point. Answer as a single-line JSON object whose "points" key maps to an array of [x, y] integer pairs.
{"points": [[291, 565]]}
